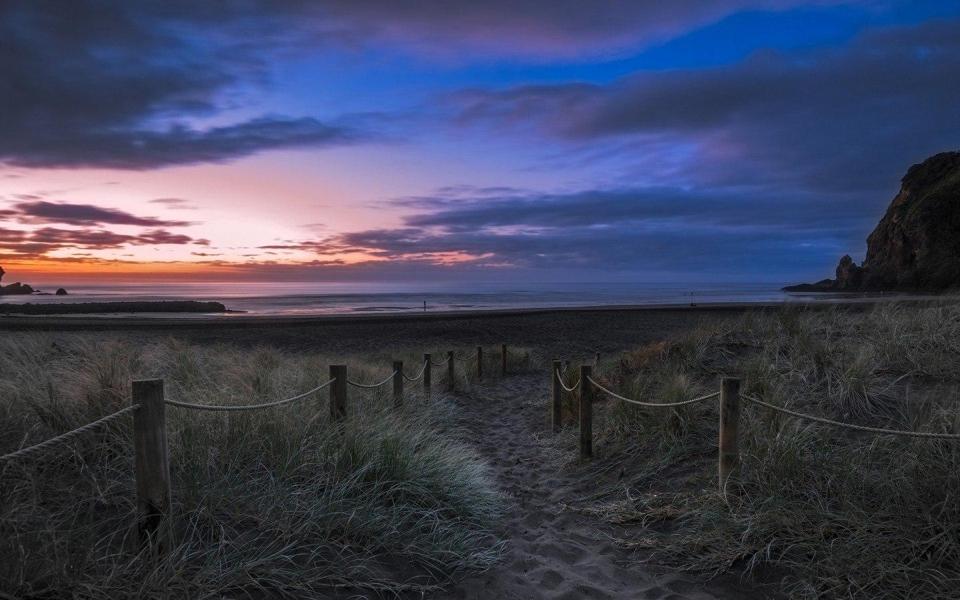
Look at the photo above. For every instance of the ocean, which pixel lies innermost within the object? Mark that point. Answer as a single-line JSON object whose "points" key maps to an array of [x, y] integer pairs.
{"points": [[275, 298]]}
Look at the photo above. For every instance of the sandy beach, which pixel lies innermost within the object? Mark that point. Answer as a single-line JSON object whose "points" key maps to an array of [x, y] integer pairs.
{"points": [[560, 332], [553, 550]]}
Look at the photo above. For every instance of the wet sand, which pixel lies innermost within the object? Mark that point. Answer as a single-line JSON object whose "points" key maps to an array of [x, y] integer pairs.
{"points": [[564, 332]]}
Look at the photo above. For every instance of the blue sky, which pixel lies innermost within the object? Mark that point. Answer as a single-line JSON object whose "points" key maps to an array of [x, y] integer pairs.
{"points": [[720, 140]]}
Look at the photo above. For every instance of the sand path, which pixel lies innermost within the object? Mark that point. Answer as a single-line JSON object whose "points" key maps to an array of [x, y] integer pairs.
{"points": [[550, 552]]}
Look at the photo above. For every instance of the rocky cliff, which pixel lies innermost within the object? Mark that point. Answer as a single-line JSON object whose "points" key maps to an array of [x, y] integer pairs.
{"points": [[916, 245]]}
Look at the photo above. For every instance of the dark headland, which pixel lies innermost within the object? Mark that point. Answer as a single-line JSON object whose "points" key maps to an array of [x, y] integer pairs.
{"points": [[14, 289], [94, 308], [916, 245]]}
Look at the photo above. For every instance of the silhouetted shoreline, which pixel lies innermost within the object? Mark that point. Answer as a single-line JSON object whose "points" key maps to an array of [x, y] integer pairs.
{"points": [[93, 308]]}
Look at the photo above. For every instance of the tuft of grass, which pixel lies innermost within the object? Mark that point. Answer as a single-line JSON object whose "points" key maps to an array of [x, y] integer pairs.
{"points": [[829, 513], [269, 503]]}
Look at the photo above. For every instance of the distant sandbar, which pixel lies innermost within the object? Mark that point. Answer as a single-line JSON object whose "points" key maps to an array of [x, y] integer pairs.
{"points": [[94, 308]]}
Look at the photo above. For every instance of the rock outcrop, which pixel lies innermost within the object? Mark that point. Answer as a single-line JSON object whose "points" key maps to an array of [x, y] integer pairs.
{"points": [[16, 288], [61, 292], [13, 288], [916, 245]]}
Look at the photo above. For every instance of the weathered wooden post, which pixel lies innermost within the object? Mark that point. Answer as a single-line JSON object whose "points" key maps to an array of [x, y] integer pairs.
{"points": [[451, 371], [586, 412], [426, 374], [557, 391], [338, 392], [398, 383], [503, 359], [729, 422], [596, 360], [479, 362], [151, 465]]}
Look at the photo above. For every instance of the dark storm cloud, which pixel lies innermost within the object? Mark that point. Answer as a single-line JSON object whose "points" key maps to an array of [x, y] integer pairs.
{"points": [[82, 214], [108, 83], [852, 118]]}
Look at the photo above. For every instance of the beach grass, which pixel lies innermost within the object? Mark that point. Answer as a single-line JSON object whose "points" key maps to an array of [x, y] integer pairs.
{"points": [[272, 503], [815, 510]]}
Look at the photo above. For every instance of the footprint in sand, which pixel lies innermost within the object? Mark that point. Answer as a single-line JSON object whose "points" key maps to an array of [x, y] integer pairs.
{"points": [[550, 553]]}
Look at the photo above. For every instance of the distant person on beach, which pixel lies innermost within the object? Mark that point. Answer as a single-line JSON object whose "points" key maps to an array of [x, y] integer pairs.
{"points": [[424, 306]]}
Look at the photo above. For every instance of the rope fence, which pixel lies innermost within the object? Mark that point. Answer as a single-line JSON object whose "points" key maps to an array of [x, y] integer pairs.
{"points": [[151, 455], [851, 426], [729, 404], [572, 388], [373, 386], [423, 369], [235, 407], [65, 437], [651, 404]]}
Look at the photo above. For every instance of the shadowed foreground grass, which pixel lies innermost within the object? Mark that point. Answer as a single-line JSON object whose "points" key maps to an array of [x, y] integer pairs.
{"points": [[269, 503], [823, 511]]}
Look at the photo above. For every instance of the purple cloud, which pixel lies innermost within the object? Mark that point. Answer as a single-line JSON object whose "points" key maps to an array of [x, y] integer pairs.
{"points": [[39, 243], [83, 214], [638, 230]]}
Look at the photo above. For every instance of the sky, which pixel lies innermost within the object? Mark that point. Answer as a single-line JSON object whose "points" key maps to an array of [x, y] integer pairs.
{"points": [[454, 140]]}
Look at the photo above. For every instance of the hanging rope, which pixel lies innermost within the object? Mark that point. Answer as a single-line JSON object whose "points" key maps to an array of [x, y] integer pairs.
{"points": [[653, 404], [564, 386], [441, 363], [235, 407], [64, 437], [370, 386], [418, 375], [902, 432]]}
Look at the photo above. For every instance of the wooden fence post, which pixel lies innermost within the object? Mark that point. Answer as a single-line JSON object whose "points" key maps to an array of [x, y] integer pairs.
{"points": [[503, 359], [398, 383], [451, 371], [152, 465], [586, 412], [557, 391], [426, 374], [338, 392], [729, 422], [479, 362]]}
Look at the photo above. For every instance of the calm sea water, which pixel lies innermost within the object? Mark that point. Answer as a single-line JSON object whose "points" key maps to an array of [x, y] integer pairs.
{"points": [[354, 298]]}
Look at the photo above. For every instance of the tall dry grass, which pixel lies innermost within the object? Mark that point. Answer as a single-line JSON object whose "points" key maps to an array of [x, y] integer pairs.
{"points": [[273, 503], [825, 512]]}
